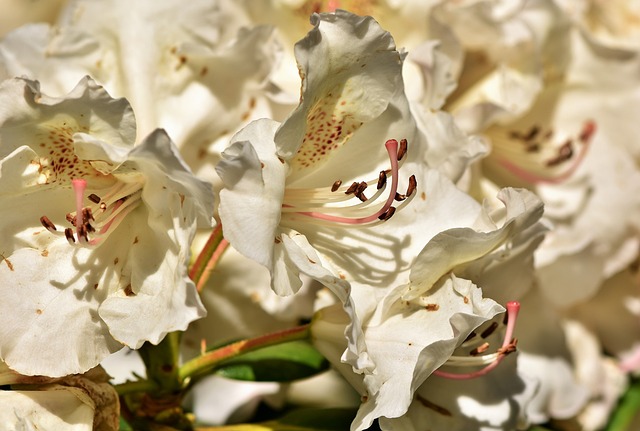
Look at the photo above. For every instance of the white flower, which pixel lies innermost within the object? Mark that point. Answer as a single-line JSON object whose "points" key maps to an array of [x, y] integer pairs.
{"points": [[412, 328], [613, 23], [278, 200], [613, 315], [93, 230], [190, 68], [292, 189], [571, 140], [297, 196]]}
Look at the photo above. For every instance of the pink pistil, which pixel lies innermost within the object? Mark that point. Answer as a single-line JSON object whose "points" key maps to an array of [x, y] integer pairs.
{"points": [[392, 149], [79, 187], [508, 345]]}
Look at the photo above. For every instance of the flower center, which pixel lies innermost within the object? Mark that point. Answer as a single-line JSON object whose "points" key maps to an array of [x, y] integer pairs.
{"points": [[477, 358], [100, 216], [328, 204], [58, 163], [540, 157], [60, 166]]}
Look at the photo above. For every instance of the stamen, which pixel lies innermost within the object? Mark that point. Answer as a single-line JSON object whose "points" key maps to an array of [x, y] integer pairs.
{"points": [[361, 188], [403, 149], [387, 215], [480, 349], [470, 336], [336, 185], [413, 185], [47, 224], [362, 197], [508, 346], [87, 214], [382, 180], [564, 154], [357, 189], [107, 213], [68, 233], [352, 188], [489, 330]]}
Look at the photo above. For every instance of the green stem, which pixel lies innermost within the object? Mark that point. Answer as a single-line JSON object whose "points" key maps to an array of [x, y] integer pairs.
{"points": [[137, 386], [208, 257], [629, 407], [161, 362], [210, 360]]}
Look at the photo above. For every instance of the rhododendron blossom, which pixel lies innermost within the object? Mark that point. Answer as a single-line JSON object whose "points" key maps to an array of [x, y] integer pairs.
{"points": [[94, 231]]}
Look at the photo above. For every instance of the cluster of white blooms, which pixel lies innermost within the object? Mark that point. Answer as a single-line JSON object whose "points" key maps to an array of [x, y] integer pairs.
{"points": [[448, 191]]}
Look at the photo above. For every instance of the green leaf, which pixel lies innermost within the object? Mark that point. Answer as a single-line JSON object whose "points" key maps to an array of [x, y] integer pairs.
{"points": [[124, 426], [627, 410], [280, 363]]}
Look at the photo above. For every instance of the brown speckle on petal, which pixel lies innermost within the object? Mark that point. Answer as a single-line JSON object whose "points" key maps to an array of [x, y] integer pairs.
{"points": [[8, 262]]}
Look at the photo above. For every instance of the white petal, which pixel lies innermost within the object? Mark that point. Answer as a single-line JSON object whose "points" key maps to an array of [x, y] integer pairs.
{"points": [[61, 408], [251, 202]]}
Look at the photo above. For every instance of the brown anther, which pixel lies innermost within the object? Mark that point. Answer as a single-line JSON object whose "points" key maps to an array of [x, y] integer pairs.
{"points": [[402, 149], [361, 188], [382, 180], [362, 197], [398, 197], [103, 206], [83, 235], [387, 214], [480, 349], [509, 348], [532, 133], [489, 330], [94, 198], [87, 214], [432, 307], [352, 188], [89, 228], [470, 336], [565, 152], [336, 185], [47, 223], [532, 148], [413, 185], [68, 233], [71, 218]]}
